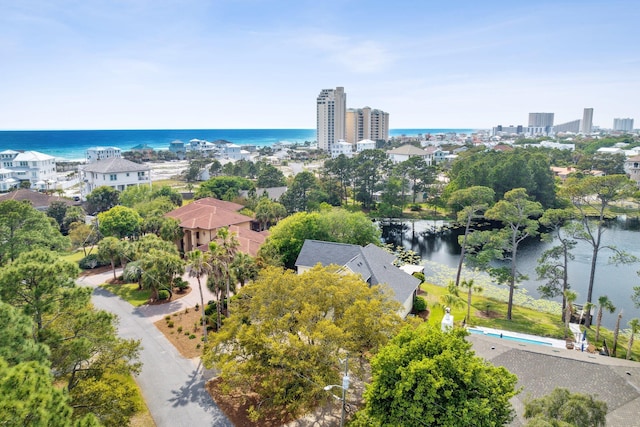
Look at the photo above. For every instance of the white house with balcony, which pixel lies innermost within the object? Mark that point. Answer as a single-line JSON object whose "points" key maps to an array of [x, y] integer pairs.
{"points": [[403, 153], [37, 168], [365, 144], [115, 172], [94, 154], [341, 147], [234, 152]]}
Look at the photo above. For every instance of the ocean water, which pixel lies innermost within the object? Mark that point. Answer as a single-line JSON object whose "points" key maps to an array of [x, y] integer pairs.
{"points": [[72, 144]]}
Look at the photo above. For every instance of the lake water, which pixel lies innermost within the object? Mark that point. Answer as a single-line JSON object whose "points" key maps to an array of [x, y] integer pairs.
{"points": [[442, 249]]}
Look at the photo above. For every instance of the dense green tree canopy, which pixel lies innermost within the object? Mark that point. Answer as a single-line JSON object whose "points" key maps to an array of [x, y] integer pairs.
{"points": [[304, 194], [285, 332], [428, 377], [368, 173], [270, 176], [223, 187], [503, 171], [102, 199], [335, 225], [24, 228], [562, 408], [65, 336], [16, 338], [119, 221], [40, 284], [29, 398]]}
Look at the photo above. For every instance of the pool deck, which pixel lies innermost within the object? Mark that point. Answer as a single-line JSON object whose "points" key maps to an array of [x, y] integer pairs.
{"points": [[533, 339], [542, 368]]}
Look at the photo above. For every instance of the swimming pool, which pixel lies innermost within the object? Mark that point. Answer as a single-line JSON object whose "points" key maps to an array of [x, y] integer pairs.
{"points": [[508, 337]]}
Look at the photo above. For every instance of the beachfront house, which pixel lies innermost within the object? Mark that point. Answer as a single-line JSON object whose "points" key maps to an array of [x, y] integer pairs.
{"points": [[201, 220], [94, 154], [114, 172], [372, 263], [18, 166]]}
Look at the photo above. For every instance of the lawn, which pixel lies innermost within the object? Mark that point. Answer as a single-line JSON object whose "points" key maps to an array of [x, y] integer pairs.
{"points": [[491, 312], [74, 256], [130, 293]]}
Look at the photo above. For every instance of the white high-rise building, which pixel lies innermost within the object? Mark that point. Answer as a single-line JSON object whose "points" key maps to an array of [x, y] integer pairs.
{"points": [[365, 123], [331, 117], [624, 125], [587, 121], [540, 119]]}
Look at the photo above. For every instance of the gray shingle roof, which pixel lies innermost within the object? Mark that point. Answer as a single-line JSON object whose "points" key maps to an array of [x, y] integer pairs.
{"points": [[115, 164], [408, 150], [374, 264]]}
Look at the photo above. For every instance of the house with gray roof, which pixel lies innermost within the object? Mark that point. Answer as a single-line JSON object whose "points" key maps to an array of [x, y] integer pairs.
{"points": [[403, 153], [114, 172], [372, 263]]}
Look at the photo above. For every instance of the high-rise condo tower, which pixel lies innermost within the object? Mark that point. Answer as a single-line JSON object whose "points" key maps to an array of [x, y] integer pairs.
{"points": [[587, 121], [331, 117]]}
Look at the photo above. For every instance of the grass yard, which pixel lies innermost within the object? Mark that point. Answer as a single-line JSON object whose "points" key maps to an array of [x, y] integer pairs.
{"points": [[129, 292], [492, 313], [74, 256]]}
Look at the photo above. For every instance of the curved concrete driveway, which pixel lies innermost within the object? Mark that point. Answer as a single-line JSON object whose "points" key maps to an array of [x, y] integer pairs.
{"points": [[172, 386]]}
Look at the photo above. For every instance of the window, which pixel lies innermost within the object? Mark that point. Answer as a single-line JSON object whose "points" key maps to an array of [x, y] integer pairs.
{"points": [[113, 177]]}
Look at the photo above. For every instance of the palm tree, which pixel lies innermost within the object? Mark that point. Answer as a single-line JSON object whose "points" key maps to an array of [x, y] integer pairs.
{"points": [[634, 324], [198, 266], [570, 297], [452, 298], [224, 249], [471, 287], [604, 303], [243, 268], [616, 333]]}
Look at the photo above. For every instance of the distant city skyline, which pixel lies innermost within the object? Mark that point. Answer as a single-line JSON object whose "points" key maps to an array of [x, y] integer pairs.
{"points": [[201, 64]]}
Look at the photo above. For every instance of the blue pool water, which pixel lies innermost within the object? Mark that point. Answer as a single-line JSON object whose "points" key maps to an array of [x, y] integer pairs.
{"points": [[507, 337]]}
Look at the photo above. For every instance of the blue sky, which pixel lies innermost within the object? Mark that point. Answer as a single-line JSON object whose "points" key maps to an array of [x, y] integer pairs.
{"points": [[139, 64]]}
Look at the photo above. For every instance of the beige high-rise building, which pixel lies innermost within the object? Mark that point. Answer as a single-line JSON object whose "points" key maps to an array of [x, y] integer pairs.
{"points": [[331, 117], [365, 123], [587, 121]]}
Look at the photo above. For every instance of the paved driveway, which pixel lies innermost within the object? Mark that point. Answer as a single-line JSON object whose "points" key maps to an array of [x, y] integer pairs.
{"points": [[172, 386]]}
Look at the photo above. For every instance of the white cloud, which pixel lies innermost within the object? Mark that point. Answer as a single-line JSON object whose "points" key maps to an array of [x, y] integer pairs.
{"points": [[356, 56]]}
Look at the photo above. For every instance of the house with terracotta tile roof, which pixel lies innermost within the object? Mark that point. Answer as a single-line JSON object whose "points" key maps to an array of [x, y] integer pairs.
{"points": [[38, 200], [201, 220]]}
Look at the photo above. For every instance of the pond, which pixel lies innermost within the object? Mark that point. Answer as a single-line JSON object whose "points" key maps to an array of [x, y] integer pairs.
{"points": [[437, 244]]}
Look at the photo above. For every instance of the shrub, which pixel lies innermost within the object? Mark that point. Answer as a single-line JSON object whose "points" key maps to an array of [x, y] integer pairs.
{"points": [[179, 329], [170, 324], [419, 276], [91, 261], [415, 207], [192, 337], [210, 309], [167, 318], [181, 284], [419, 304], [163, 294]]}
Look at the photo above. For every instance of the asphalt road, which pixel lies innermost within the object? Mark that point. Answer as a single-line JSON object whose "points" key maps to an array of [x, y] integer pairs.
{"points": [[172, 386]]}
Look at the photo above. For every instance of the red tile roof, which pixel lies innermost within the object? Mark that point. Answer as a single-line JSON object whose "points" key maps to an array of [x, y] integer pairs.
{"points": [[209, 214]]}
